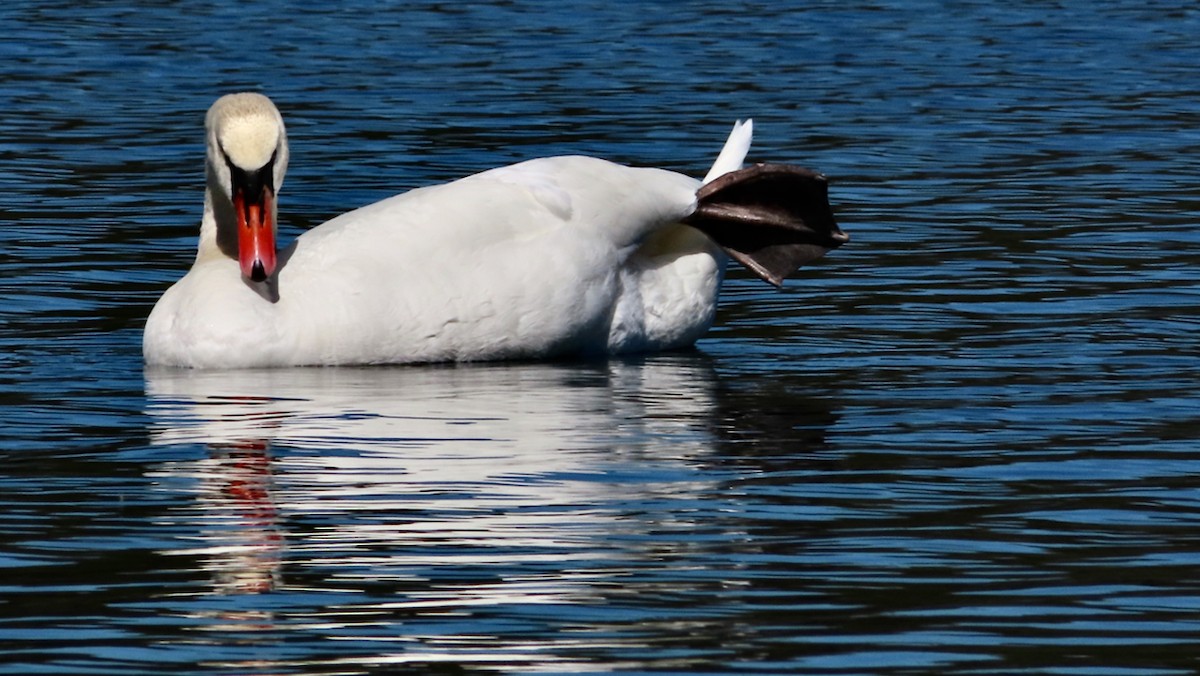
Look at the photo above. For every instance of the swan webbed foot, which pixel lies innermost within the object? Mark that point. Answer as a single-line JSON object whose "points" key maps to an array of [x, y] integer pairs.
{"points": [[771, 218]]}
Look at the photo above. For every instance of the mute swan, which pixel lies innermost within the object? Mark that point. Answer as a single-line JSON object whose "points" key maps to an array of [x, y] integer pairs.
{"points": [[551, 257]]}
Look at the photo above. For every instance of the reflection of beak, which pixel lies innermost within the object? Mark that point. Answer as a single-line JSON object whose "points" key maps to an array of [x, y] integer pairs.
{"points": [[253, 201], [246, 557]]}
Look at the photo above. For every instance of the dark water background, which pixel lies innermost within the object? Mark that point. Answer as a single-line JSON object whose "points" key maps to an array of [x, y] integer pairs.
{"points": [[965, 443]]}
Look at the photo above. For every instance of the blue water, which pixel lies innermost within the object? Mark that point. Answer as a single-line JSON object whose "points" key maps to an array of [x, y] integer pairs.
{"points": [[967, 442]]}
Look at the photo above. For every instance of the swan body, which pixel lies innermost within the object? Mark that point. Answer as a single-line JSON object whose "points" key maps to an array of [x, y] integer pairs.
{"points": [[549, 257]]}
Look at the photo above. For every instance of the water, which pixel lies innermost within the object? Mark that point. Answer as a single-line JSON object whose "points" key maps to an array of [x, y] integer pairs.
{"points": [[964, 443]]}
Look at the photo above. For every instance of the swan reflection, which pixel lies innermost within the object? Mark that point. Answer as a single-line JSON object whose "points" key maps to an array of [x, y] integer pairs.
{"points": [[342, 478]]}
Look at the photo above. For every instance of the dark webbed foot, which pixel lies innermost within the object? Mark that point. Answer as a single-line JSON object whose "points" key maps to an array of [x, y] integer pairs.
{"points": [[771, 218]]}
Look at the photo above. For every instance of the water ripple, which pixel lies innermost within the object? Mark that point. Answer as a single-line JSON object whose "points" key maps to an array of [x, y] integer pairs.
{"points": [[964, 443]]}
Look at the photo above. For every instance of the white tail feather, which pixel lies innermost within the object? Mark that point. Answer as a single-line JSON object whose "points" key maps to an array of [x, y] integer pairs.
{"points": [[735, 150]]}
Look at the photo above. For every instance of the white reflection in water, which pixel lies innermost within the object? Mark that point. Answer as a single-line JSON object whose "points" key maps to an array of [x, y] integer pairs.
{"points": [[358, 477]]}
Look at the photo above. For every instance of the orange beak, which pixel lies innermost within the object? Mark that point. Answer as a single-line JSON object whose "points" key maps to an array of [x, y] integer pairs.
{"points": [[256, 234]]}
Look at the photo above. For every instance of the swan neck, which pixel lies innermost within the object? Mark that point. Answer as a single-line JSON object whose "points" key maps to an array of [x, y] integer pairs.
{"points": [[218, 225]]}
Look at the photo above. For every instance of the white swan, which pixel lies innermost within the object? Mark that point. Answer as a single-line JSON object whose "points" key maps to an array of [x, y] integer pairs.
{"points": [[551, 257]]}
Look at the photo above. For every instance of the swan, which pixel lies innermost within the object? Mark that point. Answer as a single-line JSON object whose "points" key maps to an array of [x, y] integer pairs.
{"points": [[552, 257]]}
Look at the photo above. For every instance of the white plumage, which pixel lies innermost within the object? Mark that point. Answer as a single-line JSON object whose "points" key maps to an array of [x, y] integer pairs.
{"points": [[550, 257]]}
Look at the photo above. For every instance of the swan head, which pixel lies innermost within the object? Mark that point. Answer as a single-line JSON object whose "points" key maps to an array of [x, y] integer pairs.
{"points": [[247, 158]]}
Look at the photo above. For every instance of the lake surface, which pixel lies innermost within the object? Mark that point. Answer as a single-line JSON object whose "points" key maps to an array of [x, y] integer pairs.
{"points": [[967, 442]]}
